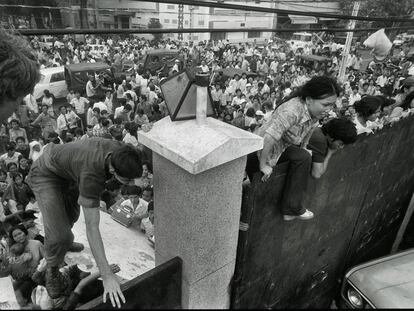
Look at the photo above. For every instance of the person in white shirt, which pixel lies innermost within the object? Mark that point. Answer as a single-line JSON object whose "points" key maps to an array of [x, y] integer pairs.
{"points": [[90, 89], [101, 105], [237, 99], [287, 90], [144, 84], [31, 103], [204, 67], [382, 80], [367, 110], [11, 155], [243, 82], [131, 134], [268, 106], [62, 123], [139, 206], [235, 83], [79, 104], [152, 96], [108, 101], [274, 65], [72, 117], [354, 96], [176, 66], [245, 64], [130, 91]]}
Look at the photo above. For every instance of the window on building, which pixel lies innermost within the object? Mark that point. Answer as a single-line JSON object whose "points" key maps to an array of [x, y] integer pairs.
{"points": [[56, 77], [171, 7], [201, 22], [253, 34], [195, 7], [195, 37], [186, 22], [218, 36], [174, 21], [166, 21]]}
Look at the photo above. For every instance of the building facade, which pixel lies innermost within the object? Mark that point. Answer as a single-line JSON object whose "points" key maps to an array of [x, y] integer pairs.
{"points": [[193, 17]]}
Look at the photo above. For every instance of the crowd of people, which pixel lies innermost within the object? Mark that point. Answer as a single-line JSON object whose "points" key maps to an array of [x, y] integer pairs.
{"points": [[300, 110]]}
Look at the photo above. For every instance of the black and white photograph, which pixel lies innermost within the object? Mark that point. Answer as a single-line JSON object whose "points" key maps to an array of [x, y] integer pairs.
{"points": [[206, 154]]}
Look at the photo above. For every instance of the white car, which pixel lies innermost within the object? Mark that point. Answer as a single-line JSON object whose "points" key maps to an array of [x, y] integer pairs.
{"points": [[399, 40], [98, 50], [52, 79], [300, 40], [48, 42], [385, 283]]}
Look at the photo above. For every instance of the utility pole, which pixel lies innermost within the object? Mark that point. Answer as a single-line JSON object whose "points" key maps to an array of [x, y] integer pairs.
{"points": [[191, 20], [275, 15], [351, 25], [180, 20]]}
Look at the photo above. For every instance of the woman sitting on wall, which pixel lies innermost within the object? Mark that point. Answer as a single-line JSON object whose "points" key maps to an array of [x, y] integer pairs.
{"points": [[286, 134]]}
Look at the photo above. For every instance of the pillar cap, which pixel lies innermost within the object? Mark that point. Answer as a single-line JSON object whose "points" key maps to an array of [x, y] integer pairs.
{"points": [[197, 148]]}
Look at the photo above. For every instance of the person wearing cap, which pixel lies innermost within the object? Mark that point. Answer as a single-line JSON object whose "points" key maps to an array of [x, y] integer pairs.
{"points": [[259, 115], [248, 90], [67, 176]]}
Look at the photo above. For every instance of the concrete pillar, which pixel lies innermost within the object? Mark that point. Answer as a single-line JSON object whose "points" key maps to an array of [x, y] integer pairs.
{"points": [[198, 173]]}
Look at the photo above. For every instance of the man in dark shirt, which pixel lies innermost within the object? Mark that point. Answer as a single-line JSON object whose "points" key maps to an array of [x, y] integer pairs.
{"points": [[71, 175], [328, 139]]}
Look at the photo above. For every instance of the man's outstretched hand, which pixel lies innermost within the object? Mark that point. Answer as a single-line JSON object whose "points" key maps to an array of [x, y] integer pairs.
{"points": [[113, 289]]}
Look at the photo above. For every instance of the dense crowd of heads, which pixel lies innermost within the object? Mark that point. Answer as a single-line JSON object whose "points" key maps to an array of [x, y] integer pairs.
{"points": [[248, 84]]}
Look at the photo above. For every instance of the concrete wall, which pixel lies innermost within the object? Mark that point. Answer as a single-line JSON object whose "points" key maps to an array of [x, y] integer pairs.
{"points": [[359, 204]]}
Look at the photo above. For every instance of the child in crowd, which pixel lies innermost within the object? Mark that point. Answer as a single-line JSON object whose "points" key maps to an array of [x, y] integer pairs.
{"points": [[18, 260], [139, 206], [147, 223], [22, 147]]}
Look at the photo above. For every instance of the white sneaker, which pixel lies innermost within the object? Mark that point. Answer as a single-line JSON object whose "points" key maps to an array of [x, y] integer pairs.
{"points": [[305, 216]]}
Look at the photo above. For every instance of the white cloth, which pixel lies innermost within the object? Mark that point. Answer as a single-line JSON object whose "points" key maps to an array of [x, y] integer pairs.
{"points": [[101, 106]]}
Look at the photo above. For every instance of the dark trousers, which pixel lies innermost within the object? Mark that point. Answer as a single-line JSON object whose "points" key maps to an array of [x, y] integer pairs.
{"points": [[57, 199], [296, 182]]}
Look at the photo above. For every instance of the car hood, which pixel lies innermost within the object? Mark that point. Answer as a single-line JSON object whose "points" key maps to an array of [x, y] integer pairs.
{"points": [[387, 283]]}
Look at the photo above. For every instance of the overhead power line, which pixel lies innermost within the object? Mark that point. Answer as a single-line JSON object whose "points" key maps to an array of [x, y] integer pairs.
{"points": [[38, 32], [260, 9], [222, 5]]}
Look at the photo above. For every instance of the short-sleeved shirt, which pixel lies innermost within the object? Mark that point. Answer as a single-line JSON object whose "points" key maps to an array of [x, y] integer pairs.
{"points": [[318, 143], [290, 124], [14, 158], [79, 104], [83, 162]]}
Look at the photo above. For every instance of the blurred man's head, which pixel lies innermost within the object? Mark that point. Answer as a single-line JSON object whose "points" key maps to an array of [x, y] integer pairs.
{"points": [[19, 72]]}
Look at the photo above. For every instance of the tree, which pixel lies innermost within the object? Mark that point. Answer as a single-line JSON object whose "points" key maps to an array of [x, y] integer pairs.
{"points": [[154, 23], [380, 8]]}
